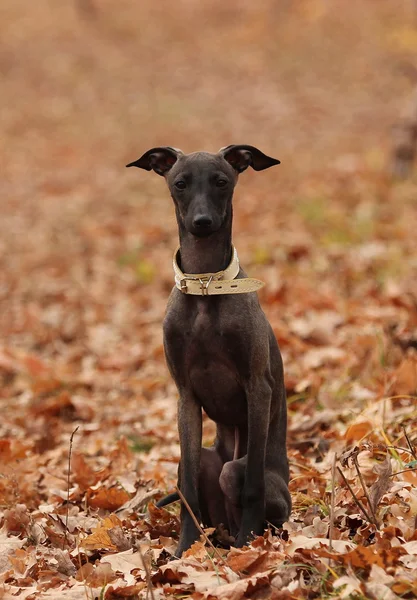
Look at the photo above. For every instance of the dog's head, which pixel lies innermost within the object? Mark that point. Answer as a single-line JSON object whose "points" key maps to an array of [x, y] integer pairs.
{"points": [[201, 183]]}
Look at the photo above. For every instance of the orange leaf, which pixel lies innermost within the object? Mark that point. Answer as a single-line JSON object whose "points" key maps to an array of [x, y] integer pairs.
{"points": [[406, 376], [363, 557], [109, 499], [241, 561], [358, 431], [99, 538], [83, 474]]}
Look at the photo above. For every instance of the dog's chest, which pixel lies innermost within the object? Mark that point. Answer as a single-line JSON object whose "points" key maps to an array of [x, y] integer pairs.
{"points": [[208, 332], [211, 363]]}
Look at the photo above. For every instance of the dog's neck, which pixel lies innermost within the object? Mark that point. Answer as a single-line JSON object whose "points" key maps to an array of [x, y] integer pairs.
{"points": [[206, 254]]}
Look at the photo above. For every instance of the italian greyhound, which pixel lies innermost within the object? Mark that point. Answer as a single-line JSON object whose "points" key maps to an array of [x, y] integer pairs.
{"points": [[222, 354]]}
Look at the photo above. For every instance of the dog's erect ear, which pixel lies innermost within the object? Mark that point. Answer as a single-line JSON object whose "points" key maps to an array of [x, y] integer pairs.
{"points": [[242, 157], [161, 160]]}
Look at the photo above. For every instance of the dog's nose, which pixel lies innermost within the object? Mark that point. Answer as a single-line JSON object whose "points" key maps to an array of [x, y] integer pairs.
{"points": [[203, 221]]}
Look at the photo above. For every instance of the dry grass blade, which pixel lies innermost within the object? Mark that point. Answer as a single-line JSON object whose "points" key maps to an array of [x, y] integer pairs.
{"points": [[197, 524], [373, 520], [148, 575], [357, 502], [332, 500], [68, 485], [410, 445], [403, 471]]}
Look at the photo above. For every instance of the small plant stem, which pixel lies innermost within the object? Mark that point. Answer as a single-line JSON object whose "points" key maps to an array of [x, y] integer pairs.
{"points": [[331, 524], [197, 524], [365, 490], [357, 502], [68, 486], [148, 575], [403, 471], [410, 445]]}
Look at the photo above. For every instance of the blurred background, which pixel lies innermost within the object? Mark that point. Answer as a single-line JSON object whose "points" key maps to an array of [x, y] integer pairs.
{"points": [[85, 245]]}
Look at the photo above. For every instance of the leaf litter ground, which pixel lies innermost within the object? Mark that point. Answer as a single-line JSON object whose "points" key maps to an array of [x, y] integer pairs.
{"points": [[85, 252]]}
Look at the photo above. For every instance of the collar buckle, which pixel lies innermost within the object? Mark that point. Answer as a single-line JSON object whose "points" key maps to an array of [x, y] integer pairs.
{"points": [[204, 284]]}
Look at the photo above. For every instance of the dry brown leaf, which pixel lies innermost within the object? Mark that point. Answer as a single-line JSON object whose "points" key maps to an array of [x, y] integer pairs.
{"points": [[197, 550], [328, 355], [100, 538], [17, 519], [406, 585], [83, 474], [108, 499], [357, 431], [142, 497], [118, 537], [317, 327], [364, 557], [241, 561], [201, 580], [101, 575], [8, 545], [124, 562], [406, 376], [379, 591], [242, 588], [302, 541], [65, 564], [350, 584], [130, 592]]}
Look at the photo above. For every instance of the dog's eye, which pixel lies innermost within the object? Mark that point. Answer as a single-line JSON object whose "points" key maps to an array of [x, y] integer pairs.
{"points": [[221, 182], [180, 185]]}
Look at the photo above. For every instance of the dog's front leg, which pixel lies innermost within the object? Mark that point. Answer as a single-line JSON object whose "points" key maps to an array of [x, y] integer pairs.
{"points": [[190, 432], [253, 497]]}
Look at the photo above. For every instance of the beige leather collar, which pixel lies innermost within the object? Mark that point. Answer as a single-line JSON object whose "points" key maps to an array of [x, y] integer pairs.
{"points": [[214, 284]]}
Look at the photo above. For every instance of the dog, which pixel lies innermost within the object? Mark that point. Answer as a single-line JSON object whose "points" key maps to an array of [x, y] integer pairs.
{"points": [[222, 354]]}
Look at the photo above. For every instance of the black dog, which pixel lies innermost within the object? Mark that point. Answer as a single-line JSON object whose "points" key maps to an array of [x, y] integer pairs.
{"points": [[222, 354]]}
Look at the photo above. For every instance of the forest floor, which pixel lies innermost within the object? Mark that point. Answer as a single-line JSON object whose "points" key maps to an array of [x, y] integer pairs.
{"points": [[85, 273]]}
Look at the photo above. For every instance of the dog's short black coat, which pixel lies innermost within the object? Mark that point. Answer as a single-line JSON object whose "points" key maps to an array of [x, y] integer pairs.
{"points": [[224, 358]]}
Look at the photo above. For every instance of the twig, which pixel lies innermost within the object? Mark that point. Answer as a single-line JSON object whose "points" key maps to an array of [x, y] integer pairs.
{"points": [[365, 489], [403, 471], [332, 498], [197, 524], [410, 445], [272, 525], [401, 449], [68, 485], [357, 502], [148, 575]]}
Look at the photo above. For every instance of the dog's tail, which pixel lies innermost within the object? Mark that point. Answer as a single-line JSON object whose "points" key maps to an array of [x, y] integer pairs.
{"points": [[174, 497]]}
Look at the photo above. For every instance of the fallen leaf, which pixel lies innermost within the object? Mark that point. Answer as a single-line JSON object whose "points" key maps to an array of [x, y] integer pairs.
{"points": [[124, 562], [302, 541], [7, 546], [406, 376], [328, 355], [100, 538], [108, 499], [357, 431]]}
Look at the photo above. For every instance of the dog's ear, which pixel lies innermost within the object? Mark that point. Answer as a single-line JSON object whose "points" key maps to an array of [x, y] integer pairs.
{"points": [[161, 160], [242, 157]]}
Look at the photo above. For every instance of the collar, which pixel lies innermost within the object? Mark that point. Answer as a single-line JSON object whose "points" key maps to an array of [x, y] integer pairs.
{"points": [[214, 284]]}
